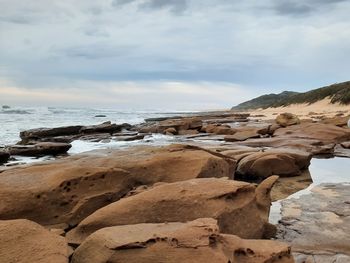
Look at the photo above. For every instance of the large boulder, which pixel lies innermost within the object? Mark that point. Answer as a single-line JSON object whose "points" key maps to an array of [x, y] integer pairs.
{"points": [[39, 149], [4, 156], [240, 208], [69, 189], [260, 165], [287, 119], [34, 134], [326, 133], [195, 241], [23, 241]]}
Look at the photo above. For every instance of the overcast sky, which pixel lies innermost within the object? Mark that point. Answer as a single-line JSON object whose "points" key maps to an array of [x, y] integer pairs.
{"points": [[168, 54]]}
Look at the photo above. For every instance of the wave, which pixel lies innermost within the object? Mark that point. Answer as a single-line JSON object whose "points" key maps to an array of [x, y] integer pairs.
{"points": [[14, 112]]}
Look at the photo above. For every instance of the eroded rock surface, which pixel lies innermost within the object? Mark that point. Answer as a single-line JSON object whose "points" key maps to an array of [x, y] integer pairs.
{"points": [[317, 225], [196, 241], [23, 241], [69, 189], [287, 119], [39, 149], [227, 201]]}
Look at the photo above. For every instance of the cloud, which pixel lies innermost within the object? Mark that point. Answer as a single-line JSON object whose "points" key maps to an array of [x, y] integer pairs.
{"points": [[263, 46], [175, 6]]}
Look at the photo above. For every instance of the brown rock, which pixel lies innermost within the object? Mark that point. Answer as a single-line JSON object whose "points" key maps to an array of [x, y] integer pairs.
{"points": [[196, 241], [39, 149], [242, 135], [72, 188], [188, 132], [337, 121], [4, 156], [287, 119], [240, 208], [170, 131], [49, 132], [265, 164], [106, 127], [345, 145], [326, 133], [23, 241]]}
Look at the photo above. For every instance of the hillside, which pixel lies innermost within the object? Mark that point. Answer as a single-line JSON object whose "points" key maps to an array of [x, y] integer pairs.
{"points": [[338, 93]]}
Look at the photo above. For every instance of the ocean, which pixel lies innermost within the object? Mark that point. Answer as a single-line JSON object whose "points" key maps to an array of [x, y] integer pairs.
{"points": [[13, 120]]}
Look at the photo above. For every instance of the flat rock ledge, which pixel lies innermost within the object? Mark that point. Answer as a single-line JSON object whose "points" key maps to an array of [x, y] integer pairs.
{"points": [[317, 225]]}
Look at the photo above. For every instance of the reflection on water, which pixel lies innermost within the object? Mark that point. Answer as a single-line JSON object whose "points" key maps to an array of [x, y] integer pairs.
{"points": [[333, 170]]}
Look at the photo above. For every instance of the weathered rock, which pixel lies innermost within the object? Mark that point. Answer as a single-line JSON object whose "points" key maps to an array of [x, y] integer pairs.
{"points": [[196, 241], [130, 138], [287, 119], [23, 241], [261, 165], [72, 188], [242, 136], [345, 145], [170, 131], [326, 133], [39, 149], [317, 225], [240, 208], [106, 127], [96, 137], [188, 132], [337, 121], [49, 132], [309, 145], [4, 156]]}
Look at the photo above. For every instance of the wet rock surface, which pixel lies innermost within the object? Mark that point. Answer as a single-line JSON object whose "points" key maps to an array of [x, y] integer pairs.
{"points": [[39, 149], [317, 225]]}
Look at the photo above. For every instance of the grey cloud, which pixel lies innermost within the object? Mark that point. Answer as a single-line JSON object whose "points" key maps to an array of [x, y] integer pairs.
{"points": [[175, 6], [94, 51], [302, 8]]}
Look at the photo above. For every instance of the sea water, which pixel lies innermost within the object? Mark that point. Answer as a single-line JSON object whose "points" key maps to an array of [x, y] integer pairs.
{"points": [[13, 120]]}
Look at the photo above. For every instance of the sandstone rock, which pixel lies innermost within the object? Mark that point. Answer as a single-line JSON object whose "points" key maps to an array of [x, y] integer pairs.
{"points": [[106, 127], [345, 145], [242, 136], [4, 156], [240, 208], [130, 138], [170, 131], [23, 241], [39, 149], [196, 241], [188, 132], [287, 119], [337, 121], [261, 165], [326, 133], [305, 144], [50, 132], [72, 188], [318, 224]]}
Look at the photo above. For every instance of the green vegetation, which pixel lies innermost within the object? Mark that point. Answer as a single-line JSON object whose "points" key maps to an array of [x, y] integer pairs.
{"points": [[338, 93]]}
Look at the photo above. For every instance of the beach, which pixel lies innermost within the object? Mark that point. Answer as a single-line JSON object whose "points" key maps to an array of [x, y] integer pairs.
{"points": [[235, 175]]}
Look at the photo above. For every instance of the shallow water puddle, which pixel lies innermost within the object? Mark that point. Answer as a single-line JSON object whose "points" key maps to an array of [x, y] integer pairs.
{"points": [[332, 170]]}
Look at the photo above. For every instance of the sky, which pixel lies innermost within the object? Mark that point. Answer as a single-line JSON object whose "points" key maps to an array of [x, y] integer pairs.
{"points": [[168, 54]]}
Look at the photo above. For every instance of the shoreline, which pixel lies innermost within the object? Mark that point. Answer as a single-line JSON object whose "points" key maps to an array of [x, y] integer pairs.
{"points": [[247, 148]]}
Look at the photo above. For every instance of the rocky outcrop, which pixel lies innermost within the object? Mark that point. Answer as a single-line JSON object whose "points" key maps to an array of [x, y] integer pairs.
{"points": [[287, 119], [72, 188], [23, 241], [4, 156], [196, 241], [69, 133], [227, 201], [260, 165], [317, 225], [326, 133], [39, 149]]}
